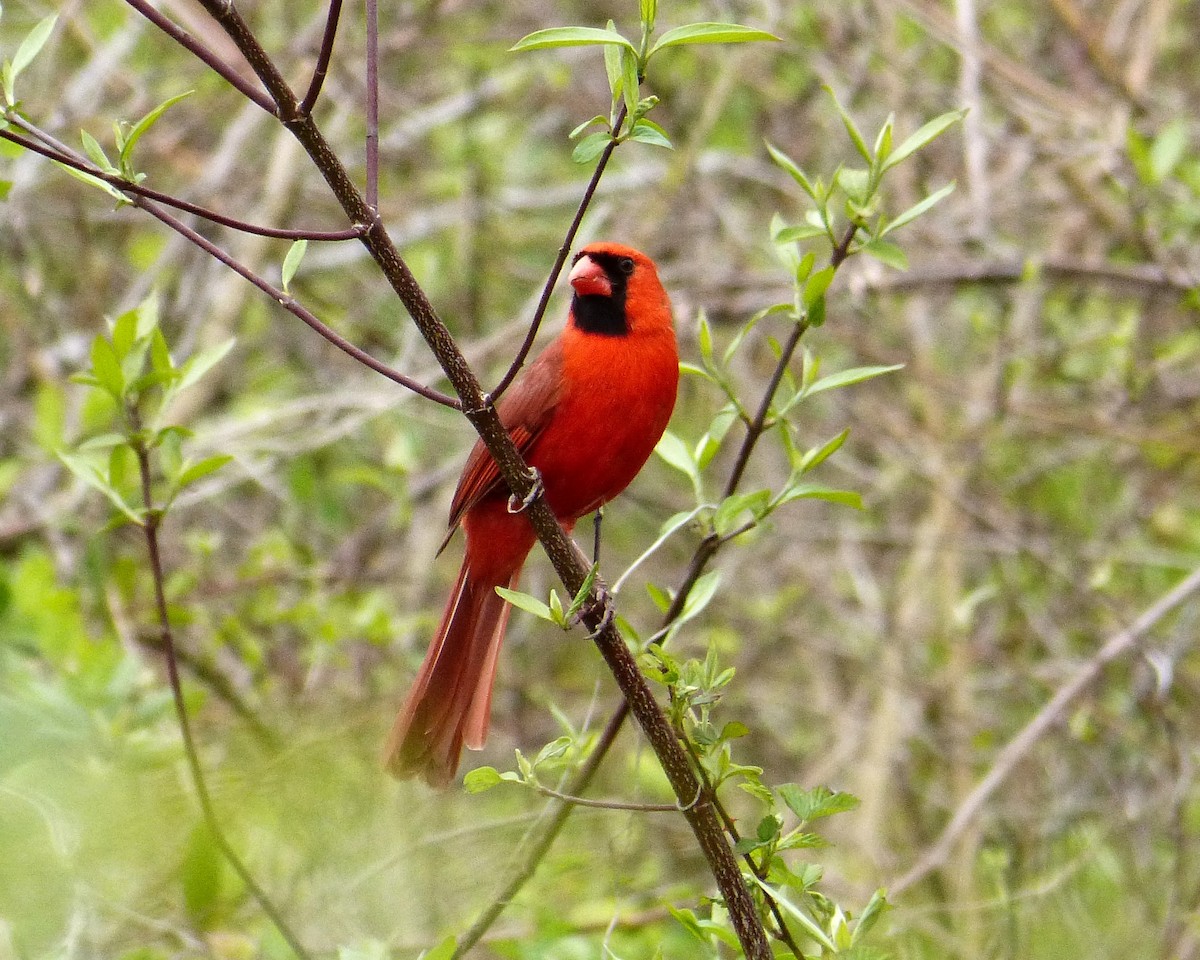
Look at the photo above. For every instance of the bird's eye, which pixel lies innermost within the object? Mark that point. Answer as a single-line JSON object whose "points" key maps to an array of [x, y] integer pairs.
{"points": [[626, 265]]}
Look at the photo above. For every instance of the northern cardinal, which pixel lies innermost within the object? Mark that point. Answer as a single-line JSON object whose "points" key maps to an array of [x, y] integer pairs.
{"points": [[586, 414]]}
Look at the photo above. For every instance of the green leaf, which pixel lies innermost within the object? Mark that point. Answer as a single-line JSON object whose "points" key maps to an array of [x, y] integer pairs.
{"points": [[647, 131], [590, 147], [648, 12], [481, 779], [96, 152], [733, 506], [582, 595], [203, 468], [675, 452], [810, 805], [788, 164], [851, 127], [197, 365], [570, 37], [917, 209], [524, 601], [95, 182], [630, 81], [603, 121], [659, 596], [700, 596], [929, 132], [87, 470], [107, 368], [810, 926], [816, 285], [819, 455], [847, 377], [124, 332], [144, 124], [32, 45], [804, 231], [445, 950], [810, 491], [291, 262], [886, 252], [709, 33], [876, 907]]}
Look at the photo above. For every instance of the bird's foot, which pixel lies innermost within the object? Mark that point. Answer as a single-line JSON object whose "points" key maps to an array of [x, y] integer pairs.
{"points": [[601, 605], [537, 488]]}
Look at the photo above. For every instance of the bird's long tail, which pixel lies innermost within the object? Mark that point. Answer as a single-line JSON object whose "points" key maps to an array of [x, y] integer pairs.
{"points": [[450, 701]]}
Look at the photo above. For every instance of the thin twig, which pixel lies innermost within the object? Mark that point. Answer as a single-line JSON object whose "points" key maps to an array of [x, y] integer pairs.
{"points": [[166, 199], [214, 62], [606, 804], [1043, 721], [323, 56], [559, 261], [150, 525], [372, 145]]}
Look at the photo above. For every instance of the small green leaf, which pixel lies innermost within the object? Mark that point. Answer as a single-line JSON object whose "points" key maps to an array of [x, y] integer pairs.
{"points": [[810, 491], [197, 365], [107, 367], [32, 45], [809, 805], [661, 598], [570, 37], [676, 453], [819, 455], [582, 595], [647, 131], [203, 468], [732, 507], [525, 602], [291, 262], [87, 471], [144, 124], [804, 231], [590, 147], [788, 164], [124, 332], [851, 128], [847, 377], [876, 907], [816, 285], [95, 182], [700, 596], [445, 950], [886, 252], [603, 121], [929, 132], [96, 152], [917, 209], [481, 779], [648, 11], [630, 81], [709, 33]]}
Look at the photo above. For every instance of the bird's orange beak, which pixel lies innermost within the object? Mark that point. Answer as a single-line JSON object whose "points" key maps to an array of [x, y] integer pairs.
{"points": [[589, 279]]}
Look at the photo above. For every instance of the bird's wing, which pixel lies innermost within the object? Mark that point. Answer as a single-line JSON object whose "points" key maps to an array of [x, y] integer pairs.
{"points": [[525, 409]]}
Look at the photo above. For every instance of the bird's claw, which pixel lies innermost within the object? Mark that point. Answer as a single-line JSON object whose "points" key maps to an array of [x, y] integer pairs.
{"points": [[537, 488], [602, 604]]}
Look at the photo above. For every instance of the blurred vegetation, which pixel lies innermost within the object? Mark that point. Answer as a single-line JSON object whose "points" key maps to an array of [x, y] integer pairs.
{"points": [[1027, 481]]}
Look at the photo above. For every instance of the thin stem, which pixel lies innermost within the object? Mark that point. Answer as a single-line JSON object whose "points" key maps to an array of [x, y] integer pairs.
{"points": [[150, 528], [214, 62], [372, 145], [559, 261], [606, 804], [128, 186], [323, 56]]}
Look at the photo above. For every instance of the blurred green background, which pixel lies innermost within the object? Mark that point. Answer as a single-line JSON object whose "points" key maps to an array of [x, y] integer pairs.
{"points": [[1029, 482]]}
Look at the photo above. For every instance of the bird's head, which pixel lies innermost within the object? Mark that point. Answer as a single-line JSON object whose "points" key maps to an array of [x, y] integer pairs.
{"points": [[617, 291]]}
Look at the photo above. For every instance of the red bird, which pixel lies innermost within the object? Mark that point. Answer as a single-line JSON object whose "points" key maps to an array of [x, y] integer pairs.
{"points": [[587, 414]]}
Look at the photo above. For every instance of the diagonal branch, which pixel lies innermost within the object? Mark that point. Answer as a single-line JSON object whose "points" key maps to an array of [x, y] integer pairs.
{"points": [[322, 67], [1043, 721]]}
